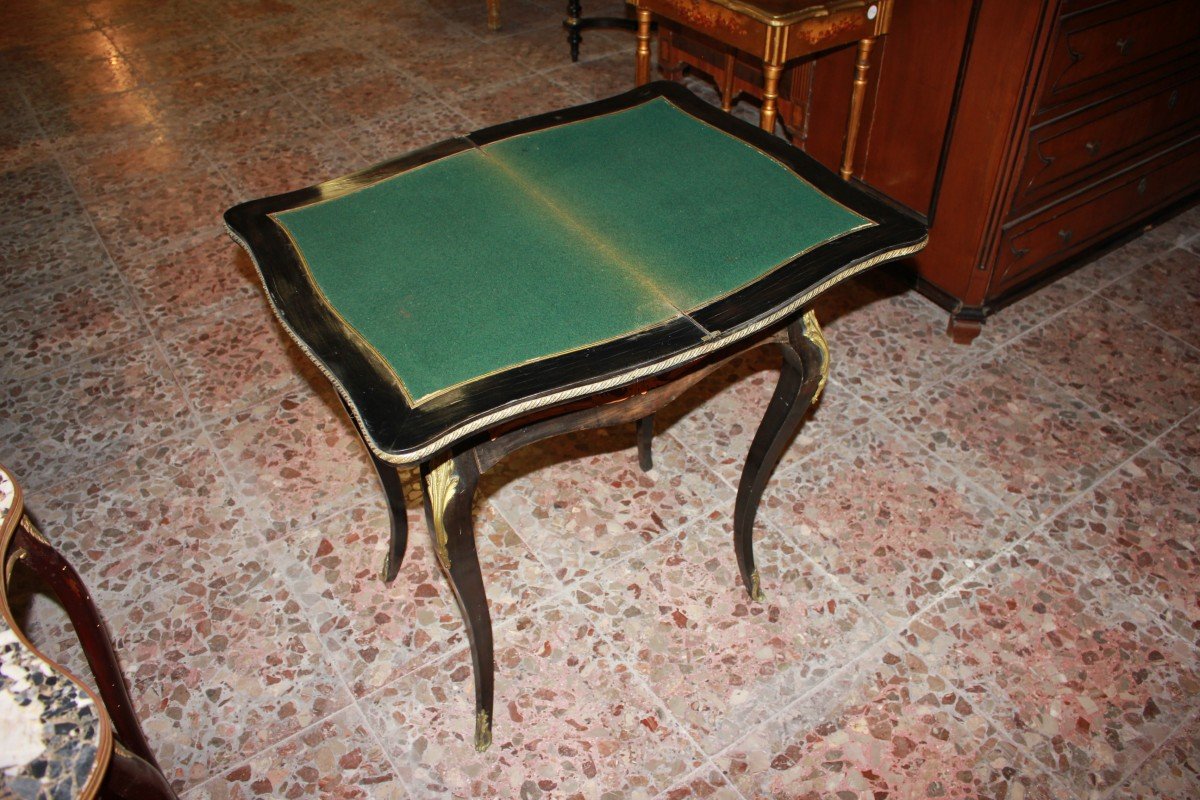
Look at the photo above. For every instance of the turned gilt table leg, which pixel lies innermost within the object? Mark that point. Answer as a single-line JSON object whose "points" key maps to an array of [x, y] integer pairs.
{"points": [[771, 73], [449, 491], [727, 81], [861, 64], [643, 47], [801, 379], [493, 9]]}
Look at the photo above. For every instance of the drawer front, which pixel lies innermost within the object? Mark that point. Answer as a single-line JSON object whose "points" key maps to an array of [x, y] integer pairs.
{"points": [[1031, 245], [1084, 144], [1112, 42]]}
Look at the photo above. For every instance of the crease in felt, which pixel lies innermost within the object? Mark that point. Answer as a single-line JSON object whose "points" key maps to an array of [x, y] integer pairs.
{"points": [[628, 265]]}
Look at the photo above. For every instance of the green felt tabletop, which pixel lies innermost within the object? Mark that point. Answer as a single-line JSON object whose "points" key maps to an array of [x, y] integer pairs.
{"points": [[551, 241]]}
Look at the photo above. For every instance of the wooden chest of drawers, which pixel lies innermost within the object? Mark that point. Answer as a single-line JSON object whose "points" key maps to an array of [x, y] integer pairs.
{"points": [[1028, 134]]}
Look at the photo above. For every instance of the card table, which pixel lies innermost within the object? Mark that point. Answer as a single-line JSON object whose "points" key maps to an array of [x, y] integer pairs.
{"points": [[563, 272]]}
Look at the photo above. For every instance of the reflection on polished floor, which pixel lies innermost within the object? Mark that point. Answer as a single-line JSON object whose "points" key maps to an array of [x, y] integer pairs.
{"points": [[981, 562]]}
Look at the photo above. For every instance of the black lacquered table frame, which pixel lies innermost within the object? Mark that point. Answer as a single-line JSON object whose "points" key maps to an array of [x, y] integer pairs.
{"points": [[449, 480], [461, 434]]}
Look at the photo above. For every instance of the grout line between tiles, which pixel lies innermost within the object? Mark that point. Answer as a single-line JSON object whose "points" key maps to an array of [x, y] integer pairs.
{"points": [[1146, 759]]}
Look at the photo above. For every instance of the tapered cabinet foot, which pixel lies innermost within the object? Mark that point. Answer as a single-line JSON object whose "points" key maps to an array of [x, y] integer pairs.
{"points": [[801, 380], [645, 443]]}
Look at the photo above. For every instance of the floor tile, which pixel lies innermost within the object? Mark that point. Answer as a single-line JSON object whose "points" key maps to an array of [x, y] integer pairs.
{"points": [[334, 64], [894, 525], [132, 523], [708, 784], [224, 515], [76, 124], [128, 159], [524, 98], [48, 328], [60, 424], [1118, 364], [570, 721], [722, 663], [335, 758], [223, 662], [597, 78], [282, 167], [65, 82], [379, 93], [1141, 526], [1164, 292], [41, 254], [887, 726], [236, 359], [1054, 300], [297, 458], [1178, 231], [134, 26], [83, 47], [33, 192], [516, 16], [170, 59], [202, 95], [157, 213], [42, 24], [888, 350], [1183, 443], [255, 12], [1082, 678], [386, 138], [1172, 771], [377, 632], [1016, 435], [581, 501], [239, 130], [193, 280], [276, 37]]}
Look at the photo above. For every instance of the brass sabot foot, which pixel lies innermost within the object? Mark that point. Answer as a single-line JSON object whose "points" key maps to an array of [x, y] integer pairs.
{"points": [[483, 731]]}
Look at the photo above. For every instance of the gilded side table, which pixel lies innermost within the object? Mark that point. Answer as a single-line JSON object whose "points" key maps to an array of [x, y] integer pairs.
{"points": [[563, 272], [777, 31]]}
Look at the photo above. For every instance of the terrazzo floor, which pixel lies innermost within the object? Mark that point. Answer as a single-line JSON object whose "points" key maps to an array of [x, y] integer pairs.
{"points": [[981, 562]]}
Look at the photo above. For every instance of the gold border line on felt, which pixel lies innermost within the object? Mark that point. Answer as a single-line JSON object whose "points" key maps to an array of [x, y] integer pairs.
{"points": [[708, 346], [351, 332], [630, 266]]}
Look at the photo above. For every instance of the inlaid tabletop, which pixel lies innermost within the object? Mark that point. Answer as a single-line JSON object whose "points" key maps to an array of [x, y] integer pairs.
{"points": [[540, 260]]}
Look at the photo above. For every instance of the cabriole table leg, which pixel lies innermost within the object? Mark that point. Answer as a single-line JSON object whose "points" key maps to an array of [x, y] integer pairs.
{"points": [[801, 379], [449, 491]]}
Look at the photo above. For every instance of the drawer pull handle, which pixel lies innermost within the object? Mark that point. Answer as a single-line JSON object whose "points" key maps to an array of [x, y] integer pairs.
{"points": [[1173, 99], [1064, 236], [1141, 186], [1124, 44], [1092, 147]]}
